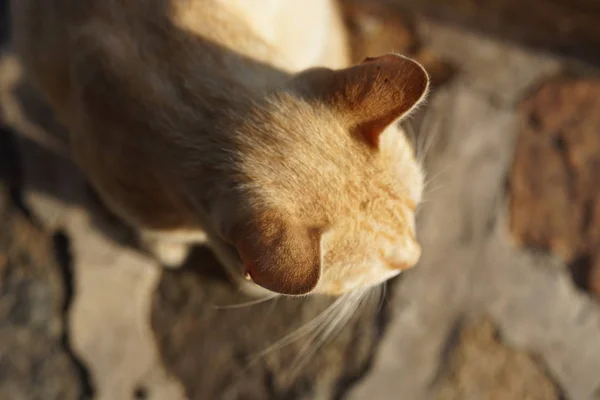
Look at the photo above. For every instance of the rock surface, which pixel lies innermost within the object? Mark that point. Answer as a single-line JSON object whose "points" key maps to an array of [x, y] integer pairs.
{"points": [[470, 264], [261, 351], [565, 27], [481, 367], [35, 359]]}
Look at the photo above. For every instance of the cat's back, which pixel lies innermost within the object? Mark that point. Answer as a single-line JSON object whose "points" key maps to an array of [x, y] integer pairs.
{"points": [[303, 33], [120, 73], [289, 34]]}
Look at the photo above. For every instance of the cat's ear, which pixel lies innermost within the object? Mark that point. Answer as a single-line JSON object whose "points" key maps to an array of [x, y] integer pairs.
{"points": [[281, 255], [369, 96]]}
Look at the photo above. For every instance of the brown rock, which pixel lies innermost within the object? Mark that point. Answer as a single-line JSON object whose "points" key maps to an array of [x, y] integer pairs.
{"points": [[481, 367], [554, 191], [567, 27]]}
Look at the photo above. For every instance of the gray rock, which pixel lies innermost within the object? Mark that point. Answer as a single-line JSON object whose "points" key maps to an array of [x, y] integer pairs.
{"points": [[35, 362]]}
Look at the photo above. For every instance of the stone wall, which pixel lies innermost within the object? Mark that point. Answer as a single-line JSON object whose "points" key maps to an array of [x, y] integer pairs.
{"points": [[503, 305]]}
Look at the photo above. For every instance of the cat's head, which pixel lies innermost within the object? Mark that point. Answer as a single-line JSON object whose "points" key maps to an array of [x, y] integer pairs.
{"points": [[331, 182]]}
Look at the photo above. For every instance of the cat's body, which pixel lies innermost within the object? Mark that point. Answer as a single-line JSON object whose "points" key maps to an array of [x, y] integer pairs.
{"points": [[190, 119]]}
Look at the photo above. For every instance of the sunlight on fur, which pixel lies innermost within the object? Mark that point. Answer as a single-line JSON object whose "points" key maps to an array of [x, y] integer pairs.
{"points": [[206, 121]]}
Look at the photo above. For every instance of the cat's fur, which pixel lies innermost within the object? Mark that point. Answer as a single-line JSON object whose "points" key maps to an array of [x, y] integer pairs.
{"points": [[198, 119]]}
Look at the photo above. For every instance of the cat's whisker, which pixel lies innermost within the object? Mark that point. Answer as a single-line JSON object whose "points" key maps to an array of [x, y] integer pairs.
{"points": [[325, 329], [431, 191], [382, 290], [320, 329], [310, 345], [364, 298], [427, 134], [246, 303], [302, 330], [419, 143], [428, 191], [329, 329], [272, 306], [360, 301], [434, 121], [313, 324], [373, 292], [438, 174], [427, 199], [427, 195], [430, 142]]}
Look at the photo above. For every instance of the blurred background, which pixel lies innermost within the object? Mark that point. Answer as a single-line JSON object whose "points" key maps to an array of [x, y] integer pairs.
{"points": [[503, 305]]}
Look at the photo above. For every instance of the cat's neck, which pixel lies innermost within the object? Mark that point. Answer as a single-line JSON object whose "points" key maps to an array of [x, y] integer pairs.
{"points": [[210, 55], [221, 42]]}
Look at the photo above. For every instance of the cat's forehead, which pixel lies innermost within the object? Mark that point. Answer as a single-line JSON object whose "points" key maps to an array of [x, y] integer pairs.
{"points": [[303, 155]]}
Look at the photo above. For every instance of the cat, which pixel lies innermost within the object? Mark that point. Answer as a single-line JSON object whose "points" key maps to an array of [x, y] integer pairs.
{"points": [[240, 124]]}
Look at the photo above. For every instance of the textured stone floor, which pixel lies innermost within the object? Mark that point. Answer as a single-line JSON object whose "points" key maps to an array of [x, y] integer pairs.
{"points": [[503, 305]]}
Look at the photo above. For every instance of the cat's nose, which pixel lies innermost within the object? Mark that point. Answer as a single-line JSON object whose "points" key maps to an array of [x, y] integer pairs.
{"points": [[405, 257]]}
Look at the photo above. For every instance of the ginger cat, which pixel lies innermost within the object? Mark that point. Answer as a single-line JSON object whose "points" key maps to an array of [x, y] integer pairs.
{"points": [[240, 123]]}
